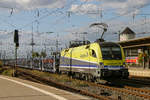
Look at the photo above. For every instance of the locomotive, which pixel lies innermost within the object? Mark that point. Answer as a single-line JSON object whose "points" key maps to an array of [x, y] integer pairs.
{"points": [[92, 61]]}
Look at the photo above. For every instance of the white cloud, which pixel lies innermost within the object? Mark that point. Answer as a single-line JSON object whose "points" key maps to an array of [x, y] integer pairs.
{"points": [[32, 4], [125, 6], [86, 0], [121, 7], [89, 0], [82, 9]]}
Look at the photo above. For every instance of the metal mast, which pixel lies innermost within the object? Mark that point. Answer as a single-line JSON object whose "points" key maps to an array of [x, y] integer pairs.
{"points": [[32, 44]]}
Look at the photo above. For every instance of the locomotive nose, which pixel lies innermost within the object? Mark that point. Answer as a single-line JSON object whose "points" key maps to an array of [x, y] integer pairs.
{"points": [[113, 69]]}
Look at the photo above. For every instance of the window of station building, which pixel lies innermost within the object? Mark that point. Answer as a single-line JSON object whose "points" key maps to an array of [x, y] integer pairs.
{"points": [[131, 52], [93, 53], [134, 52]]}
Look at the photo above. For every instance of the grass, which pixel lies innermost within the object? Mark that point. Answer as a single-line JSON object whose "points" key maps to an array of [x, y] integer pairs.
{"points": [[56, 77], [7, 72], [79, 83], [64, 79], [1, 69]]}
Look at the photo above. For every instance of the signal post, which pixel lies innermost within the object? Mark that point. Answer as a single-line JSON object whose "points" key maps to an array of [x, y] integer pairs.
{"points": [[16, 41]]}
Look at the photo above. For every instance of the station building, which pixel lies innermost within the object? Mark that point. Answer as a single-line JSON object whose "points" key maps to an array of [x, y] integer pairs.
{"points": [[137, 50]]}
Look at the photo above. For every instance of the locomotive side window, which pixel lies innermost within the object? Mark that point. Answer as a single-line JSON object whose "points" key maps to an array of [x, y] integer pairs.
{"points": [[93, 53]]}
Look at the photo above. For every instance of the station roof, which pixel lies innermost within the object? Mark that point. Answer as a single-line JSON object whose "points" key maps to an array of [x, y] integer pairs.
{"points": [[128, 31], [135, 43]]}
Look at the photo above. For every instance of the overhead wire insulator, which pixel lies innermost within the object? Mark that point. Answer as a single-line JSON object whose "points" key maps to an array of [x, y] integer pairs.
{"points": [[11, 12], [38, 13], [133, 17], [69, 14]]}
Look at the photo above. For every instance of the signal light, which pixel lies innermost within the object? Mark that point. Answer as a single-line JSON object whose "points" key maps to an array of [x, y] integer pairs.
{"points": [[16, 36], [17, 44]]}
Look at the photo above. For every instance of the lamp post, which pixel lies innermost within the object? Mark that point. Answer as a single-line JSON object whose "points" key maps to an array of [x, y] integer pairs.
{"points": [[32, 44]]}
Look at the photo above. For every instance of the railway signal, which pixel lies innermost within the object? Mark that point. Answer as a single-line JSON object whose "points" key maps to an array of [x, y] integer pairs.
{"points": [[16, 38], [16, 41]]}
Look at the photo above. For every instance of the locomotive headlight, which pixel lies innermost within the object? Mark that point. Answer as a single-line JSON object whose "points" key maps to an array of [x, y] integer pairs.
{"points": [[124, 65], [101, 65]]}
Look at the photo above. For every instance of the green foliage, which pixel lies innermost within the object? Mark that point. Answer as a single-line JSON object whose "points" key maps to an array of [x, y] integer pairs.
{"points": [[1, 69], [43, 54], [1, 63], [7, 72], [35, 54], [134, 64], [142, 57]]}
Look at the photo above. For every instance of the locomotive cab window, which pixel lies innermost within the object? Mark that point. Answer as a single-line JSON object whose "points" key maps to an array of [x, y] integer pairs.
{"points": [[93, 53], [111, 52]]}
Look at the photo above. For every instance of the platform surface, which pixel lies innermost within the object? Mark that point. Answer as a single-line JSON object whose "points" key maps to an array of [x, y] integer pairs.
{"points": [[139, 72], [18, 89]]}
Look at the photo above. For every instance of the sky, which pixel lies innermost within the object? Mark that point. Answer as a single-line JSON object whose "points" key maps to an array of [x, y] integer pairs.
{"points": [[65, 20]]}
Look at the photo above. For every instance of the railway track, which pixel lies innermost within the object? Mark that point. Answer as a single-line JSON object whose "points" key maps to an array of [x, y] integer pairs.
{"points": [[36, 78], [99, 91], [126, 93], [138, 90], [105, 92]]}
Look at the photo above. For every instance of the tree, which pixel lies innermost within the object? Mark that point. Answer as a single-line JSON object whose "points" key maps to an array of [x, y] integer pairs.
{"points": [[35, 54], [43, 54], [142, 57]]}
